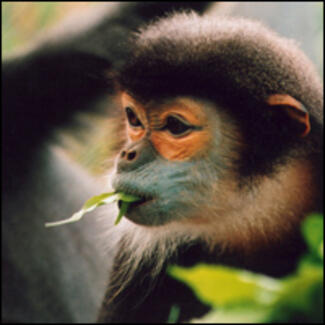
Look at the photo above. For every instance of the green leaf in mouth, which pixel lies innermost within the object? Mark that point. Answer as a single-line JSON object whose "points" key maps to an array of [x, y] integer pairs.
{"points": [[97, 201], [124, 207]]}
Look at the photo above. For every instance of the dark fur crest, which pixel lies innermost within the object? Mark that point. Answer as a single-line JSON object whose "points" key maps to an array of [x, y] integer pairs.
{"points": [[236, 60]]}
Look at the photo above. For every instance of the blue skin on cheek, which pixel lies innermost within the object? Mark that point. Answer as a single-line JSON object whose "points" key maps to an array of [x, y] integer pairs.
{"points": [[169, 184]]}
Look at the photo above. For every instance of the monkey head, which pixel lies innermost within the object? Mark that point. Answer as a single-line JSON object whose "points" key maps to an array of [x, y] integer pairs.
{"points": [[221, 114]]}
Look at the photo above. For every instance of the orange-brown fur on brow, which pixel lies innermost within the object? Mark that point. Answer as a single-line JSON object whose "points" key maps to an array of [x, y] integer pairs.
{"points": [[180, 149], [168, 146], [191, 145]]}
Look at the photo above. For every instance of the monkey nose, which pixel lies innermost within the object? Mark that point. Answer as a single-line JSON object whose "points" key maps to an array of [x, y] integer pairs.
{"points": [[134, 156]]}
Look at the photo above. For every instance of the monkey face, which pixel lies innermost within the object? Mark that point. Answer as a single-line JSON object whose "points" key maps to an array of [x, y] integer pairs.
{"points": [[170, 159]]}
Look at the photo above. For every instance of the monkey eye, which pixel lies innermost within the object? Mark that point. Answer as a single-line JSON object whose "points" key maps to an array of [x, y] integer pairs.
{"points": [[176, 126], [132, 118]]}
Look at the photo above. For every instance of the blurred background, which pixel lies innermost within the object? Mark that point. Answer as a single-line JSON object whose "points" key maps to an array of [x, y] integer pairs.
{"points": [[22, 22]]}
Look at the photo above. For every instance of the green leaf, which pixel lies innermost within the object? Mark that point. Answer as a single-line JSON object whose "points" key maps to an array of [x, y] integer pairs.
{"points": [[75, 217], [97, 201], [321, 250], [123, 209], [173, 315], [221, 286], [128, 197], [301, 298], [313, 231], [236, 315], [242, 297]]}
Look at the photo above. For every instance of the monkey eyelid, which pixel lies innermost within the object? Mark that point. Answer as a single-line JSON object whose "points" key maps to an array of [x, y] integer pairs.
{"points": [[183, 120], [189, 127], [180, 118], [130, 114]]}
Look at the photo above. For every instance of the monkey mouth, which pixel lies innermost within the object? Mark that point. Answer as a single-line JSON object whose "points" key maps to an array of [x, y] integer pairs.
{"points": [[145, 198], [138, 203]]}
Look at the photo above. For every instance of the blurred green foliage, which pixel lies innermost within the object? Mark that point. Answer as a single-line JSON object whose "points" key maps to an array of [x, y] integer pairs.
{"points": [[240, 296], [23, 20]]}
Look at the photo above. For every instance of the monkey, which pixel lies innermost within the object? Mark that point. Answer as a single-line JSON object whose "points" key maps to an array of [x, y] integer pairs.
{"points": [[44, 272], [224, 148], [58, 275]]}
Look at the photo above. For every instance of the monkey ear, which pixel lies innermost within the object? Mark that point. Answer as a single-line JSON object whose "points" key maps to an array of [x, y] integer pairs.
{"points": [[295, 110]]}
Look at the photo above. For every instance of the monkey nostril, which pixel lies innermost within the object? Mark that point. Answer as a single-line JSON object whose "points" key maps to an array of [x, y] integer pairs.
{"points": [[131, 155], [123, 154]]}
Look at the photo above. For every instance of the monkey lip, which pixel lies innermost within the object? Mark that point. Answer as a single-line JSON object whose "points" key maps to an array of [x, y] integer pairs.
{"points": [[135, 204]]}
